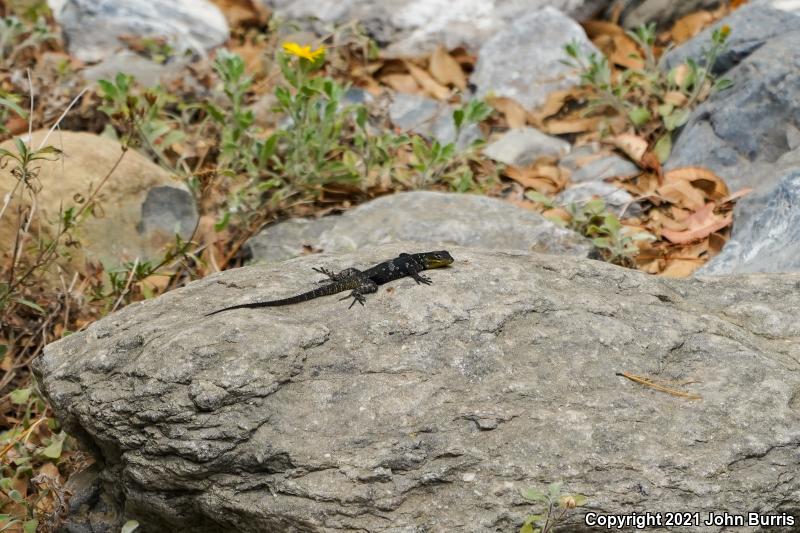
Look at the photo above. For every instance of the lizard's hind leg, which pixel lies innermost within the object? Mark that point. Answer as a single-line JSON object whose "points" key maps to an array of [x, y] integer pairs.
{"points": [[336, 276], [367, 286]]}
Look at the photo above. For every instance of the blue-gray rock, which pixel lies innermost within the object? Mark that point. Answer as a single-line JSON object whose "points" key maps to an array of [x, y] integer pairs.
{"points": [[92, 27], [423, 217], [617, 201], [523, 146], [523, 61], [416, 27], [610, 166], [751, 27], [769, 239], [755, 122], [429, 118]]}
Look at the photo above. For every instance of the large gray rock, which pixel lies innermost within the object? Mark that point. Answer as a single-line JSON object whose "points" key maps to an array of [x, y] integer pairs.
{"points": [[756, 121], [415, 27], [751, 27], [768, 240], [430, 408], [523, 61], [92, 27], [427, 218]]}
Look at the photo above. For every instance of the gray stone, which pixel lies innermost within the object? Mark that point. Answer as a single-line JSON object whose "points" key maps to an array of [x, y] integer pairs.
{"points": [[755, 122], [617, 200], [431, 408], [416, 27], [768, 240], [577, 155], [147, 73], [662, 12], [751, 27], [429, 118], [429, 219], [523, 61], [523, 146], [610, 166], [92, 27]]}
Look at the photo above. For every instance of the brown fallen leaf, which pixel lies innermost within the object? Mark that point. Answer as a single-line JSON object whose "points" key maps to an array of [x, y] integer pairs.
{"points": [[402, 83], [681, 193], [446, 70], [634, 146], [701, 225], [700, 178], [690, 25], [626, 53], [514, 113], [736, 195], [680, 268], [576, 125], [426, 81]]}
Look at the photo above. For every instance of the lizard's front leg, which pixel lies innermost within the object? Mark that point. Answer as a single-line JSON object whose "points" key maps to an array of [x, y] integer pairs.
{"points": [[367, 286], [413, 270]]}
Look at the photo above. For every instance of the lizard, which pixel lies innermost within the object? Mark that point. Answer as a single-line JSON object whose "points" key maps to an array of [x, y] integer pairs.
{"points": [[361, 282]]}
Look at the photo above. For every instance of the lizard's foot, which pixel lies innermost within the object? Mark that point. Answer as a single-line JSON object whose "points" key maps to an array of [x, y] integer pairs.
{"points": [[425, 280], [356, 296], [322, 270]]}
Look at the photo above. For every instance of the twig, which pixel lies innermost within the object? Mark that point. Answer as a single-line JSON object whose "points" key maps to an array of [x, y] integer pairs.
{"points": [[647, 382]]}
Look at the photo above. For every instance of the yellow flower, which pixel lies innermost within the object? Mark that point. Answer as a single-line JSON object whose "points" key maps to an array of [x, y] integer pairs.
{"points": [[303, 51]]}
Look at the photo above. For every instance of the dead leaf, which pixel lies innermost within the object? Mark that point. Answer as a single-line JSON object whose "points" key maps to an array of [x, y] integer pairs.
{"points": [[446, 70], [700, 178], [402, 83], [681, 193], [576, 125], [715, 244], [736, 195], [514, 113], [431, 86], [634, 146], [690, 25], [680, 268], [702, 225], [626, 54]]}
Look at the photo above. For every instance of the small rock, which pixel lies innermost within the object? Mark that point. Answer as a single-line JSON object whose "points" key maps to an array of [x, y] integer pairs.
{"points": [[611, 166], [143, 206], [147, 73], [93, 27], [616, 199], [523, 146], [578, 155], [524, 60], [427, 218], [769, 239], [429, 118]]}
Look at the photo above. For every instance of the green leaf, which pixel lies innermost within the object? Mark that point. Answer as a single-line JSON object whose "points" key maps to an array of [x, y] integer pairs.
{"points": [[602, 242], [32, 305], [3, 350], [639, 116], [53, 450], [15, 495], [536, 196], [554, 490], [722, 84], [534, 495], [30, 526], [665, 109], [20, 396], [580, 499], [663, 147], [223, 222], [676, 119], [5, 102], [129, 527]]}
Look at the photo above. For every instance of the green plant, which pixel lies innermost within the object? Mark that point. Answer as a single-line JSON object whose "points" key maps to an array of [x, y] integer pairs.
{"points": [[656, 102], [556, 507], [435, 161], [16, 37], [593, 220], [140, 116], [9, 103]]}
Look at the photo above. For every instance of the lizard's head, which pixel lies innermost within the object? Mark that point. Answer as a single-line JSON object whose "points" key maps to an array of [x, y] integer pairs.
{"points": [[439, 259]]}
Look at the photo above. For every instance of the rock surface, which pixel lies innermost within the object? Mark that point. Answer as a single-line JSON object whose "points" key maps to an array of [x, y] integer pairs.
{"points": [[144, 202], [769, 239], [606, 167], [430, 118], [523, 146], [432, 407], [416, 27], [430, 219], [617, 200], [93, 27], [523, 61]]}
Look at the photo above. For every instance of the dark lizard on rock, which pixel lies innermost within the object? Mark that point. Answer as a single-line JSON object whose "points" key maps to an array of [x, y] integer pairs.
{"points": [[361, 282]]}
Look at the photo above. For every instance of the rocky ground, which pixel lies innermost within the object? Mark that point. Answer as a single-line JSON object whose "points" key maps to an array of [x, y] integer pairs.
{"points": [[149, 148]]}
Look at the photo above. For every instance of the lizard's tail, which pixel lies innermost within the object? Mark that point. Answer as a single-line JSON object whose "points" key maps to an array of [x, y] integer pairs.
{"points": [[325, 290]]}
